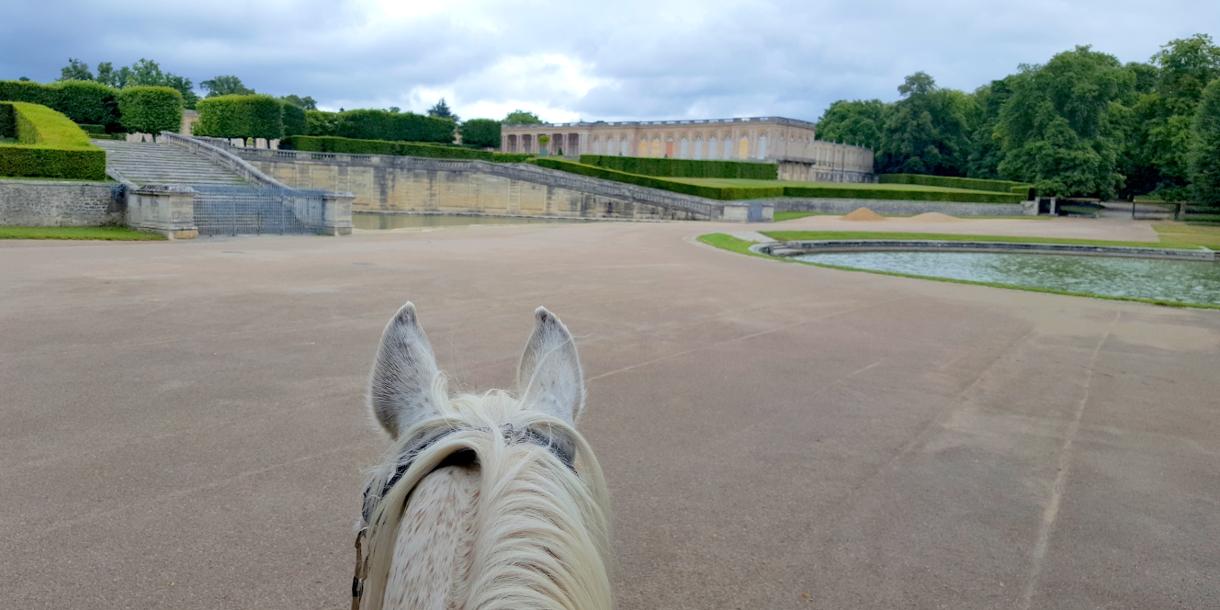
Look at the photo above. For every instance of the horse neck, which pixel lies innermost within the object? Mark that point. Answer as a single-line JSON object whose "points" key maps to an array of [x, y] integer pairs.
{"points": [[519, 530]]}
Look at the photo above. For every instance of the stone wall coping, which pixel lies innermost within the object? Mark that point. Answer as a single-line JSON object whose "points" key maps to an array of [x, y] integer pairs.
{"points": [[57, 182], [799, 247]]}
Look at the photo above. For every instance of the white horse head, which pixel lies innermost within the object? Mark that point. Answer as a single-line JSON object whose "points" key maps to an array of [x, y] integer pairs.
{"points": [[483, 501]]}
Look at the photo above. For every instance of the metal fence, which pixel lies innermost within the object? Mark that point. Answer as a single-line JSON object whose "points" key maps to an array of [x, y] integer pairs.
{"points": [[233, 210]]}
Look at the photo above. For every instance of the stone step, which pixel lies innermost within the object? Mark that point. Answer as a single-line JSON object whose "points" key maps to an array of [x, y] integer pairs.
{"points": [[147, 163]]}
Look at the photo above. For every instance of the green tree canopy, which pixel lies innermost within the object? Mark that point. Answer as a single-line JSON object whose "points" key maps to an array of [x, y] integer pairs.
{"points": [[306, 103], [521, 117], [145, 72], [854, 122], [925, 132], [226, 84], [1205, 149], [483, 133], [1062, 126], [441, 110], [75, 70]]}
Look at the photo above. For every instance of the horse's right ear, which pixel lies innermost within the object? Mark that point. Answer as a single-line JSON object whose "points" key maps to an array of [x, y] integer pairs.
{"points": [[402, 382]]}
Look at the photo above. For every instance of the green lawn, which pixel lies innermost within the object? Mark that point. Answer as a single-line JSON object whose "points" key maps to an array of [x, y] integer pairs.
{"points": [[741, 246], [862, 187], [1173, 235], [102, 233]]}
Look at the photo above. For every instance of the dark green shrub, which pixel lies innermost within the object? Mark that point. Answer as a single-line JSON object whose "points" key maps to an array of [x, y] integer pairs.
{"points": [[93, 129], [699, 190], [293, 117], [49, 145], [8, 123], [82, 101], [398, 126], [88, 102], [320, 123], [685, 168], [481, 133], [148, 109], [382, 147], [975, 184], [240, 116]]}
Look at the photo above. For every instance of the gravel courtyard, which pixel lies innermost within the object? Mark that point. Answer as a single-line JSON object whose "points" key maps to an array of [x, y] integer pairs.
{"points": [[182, 424]]}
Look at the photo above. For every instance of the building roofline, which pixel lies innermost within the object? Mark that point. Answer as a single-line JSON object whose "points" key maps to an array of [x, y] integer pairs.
{"points": [[684, 122]]}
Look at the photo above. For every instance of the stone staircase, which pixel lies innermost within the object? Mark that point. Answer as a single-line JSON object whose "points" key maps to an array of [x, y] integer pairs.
{"points": [[147, 163]]}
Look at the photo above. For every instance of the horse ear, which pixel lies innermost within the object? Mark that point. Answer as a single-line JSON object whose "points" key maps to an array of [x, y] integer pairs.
{"points": [[549, 376], [404, 374]]}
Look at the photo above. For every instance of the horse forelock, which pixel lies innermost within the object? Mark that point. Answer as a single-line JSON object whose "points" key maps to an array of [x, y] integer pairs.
{"points": [[538, 530]]}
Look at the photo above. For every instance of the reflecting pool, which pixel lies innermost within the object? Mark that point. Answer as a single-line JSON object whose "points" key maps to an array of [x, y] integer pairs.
{"points": [[1170, 280], [374, 221]]}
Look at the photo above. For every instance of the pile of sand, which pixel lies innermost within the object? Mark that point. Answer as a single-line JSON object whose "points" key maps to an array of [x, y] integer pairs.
{"points": [[864, 215], [934, 217]]}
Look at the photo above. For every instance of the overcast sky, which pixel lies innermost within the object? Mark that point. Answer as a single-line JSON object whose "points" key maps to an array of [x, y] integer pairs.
{"points": [[569, 60]]}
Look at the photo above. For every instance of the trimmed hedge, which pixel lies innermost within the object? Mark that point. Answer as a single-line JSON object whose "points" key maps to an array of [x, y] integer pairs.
{"points": [[93, 130], [382, 147], [240, 116], [699, 190], [49, 145], [482, 133], [953, 182], [320, 122], [82, 101], [398, 126], [685, 168], [779, 189], [146, 109], [293, 117]]}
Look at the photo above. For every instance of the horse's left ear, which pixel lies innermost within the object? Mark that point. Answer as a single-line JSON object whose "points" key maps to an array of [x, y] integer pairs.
{"points": [[549, 376]]}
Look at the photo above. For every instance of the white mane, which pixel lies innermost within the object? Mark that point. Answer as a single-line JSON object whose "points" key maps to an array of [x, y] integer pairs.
{"points": [[531, 531]]}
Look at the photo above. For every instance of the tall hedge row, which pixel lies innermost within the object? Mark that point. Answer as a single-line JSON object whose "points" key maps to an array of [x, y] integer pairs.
{"points": [[382, 147], [147, 109], [685, 168], [81, 101], [481, 133], [401, 126], [320, 122], [975, 184], [49, 145], [778, 189], [293, 117], [240, 116]]}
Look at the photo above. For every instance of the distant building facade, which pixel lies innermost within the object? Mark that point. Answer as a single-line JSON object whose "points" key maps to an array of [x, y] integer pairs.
{"points": [[788, 142]]}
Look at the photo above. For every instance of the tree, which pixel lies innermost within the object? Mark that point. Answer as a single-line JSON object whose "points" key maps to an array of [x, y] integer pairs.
{"points": [[853, 122], [107, 75], [925, 132], [482, 133], [1205, 152], [521, 117], [227, 84], [441, 111], [75, 70], [1061, 129], [306, 103]]}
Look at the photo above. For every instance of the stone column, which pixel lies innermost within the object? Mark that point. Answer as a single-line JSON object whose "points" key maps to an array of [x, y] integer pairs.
{"points": [[165, 209]]}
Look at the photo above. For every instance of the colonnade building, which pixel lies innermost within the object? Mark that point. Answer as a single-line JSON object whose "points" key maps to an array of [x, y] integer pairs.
{"points": [[790, 143]]}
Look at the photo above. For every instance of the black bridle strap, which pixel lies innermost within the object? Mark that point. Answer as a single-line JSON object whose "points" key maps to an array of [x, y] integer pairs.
{"points": [[464, 457]]}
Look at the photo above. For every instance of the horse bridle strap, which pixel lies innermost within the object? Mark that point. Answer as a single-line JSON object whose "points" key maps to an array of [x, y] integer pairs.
{"points": [[460, 457]]}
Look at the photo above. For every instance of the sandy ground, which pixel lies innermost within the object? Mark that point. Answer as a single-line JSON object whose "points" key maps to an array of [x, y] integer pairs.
{"points": [[181, 424]]}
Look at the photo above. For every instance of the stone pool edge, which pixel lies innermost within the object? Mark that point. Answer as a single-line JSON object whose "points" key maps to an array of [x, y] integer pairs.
{"points": [[800, 247]]}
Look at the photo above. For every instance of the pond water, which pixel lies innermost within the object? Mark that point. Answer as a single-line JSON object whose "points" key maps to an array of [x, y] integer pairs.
{"points": [[1181, 281], [373, 220]]}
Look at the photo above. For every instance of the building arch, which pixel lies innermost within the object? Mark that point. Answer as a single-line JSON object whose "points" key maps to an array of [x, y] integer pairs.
{"points": [[762, 147], [684, 149], [713, 148]]}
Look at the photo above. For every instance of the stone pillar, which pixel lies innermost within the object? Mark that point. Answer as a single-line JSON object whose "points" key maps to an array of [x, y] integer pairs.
{"points": [[165, 209], [337, 214]]}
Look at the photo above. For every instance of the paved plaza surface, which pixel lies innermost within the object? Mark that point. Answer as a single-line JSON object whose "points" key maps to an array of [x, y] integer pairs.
{"points": [[181, 424]]}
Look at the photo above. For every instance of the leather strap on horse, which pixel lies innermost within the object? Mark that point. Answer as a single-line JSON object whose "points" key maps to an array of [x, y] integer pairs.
{"points": [[358, 576]]}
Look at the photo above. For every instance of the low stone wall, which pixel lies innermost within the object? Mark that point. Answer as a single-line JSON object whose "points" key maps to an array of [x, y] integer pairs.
{"points": [[895, 207], [408, 184], [797, 248], [60, 203]]}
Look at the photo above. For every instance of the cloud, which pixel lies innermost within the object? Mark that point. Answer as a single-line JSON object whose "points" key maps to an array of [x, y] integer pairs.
{"points": [[572, 60]]}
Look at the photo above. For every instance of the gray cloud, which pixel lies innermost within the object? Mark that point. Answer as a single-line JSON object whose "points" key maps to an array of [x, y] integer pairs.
{"points": [[567, 60]]}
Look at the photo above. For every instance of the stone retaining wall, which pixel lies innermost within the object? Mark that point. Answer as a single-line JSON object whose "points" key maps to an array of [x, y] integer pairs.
{"points": [[60, 203], [896, 207]]}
